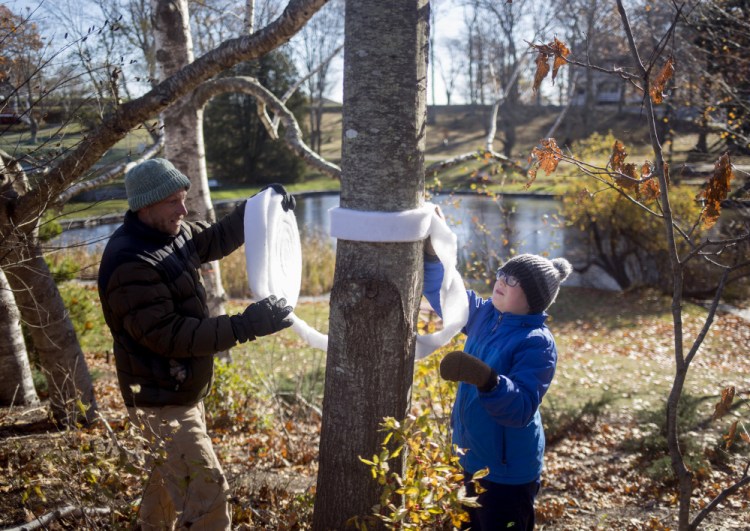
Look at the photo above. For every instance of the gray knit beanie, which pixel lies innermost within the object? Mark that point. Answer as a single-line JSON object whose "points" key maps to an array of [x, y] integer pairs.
{"points": [[151, 181], [540, 278]]}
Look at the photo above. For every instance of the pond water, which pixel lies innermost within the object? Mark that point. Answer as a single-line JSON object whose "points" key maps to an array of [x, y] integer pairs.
{"points": [[488, 230]]}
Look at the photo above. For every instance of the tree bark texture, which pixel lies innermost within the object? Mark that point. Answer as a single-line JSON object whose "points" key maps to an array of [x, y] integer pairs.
{"points": [[52, 334], [18, 387], [183, 129], [377, 286], [39, 304]]}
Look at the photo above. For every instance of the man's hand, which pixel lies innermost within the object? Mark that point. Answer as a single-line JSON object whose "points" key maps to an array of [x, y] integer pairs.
{"points": [[288, 202], [459, 366], [261, 319]]}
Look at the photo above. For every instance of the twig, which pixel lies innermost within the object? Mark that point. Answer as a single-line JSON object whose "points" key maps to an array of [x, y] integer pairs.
{"points": [[132, 456], [299, 398], [44, 520], [723, 495], [112, 174]]}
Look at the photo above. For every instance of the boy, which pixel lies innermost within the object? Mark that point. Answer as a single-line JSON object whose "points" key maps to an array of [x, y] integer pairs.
{"points": [[506, 368]]}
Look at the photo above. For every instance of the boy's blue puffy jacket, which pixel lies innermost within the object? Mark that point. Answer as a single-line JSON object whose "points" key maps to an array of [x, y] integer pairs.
{"points": [[502, 429]]}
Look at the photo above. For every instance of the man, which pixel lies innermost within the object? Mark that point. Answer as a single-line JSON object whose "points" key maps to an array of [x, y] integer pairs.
{"points": [[154, 303]]}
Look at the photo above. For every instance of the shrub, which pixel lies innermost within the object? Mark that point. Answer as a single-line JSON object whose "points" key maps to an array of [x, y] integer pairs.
{"points": [[82, 304], [231, 393], [652, 446], [626, 242], [74, 262], [62, 268], [429, 494]]}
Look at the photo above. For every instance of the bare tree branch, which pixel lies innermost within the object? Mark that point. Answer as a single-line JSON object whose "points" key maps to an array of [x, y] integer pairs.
{"points": [[109, 175], [44, 520], [723, 495], [293, 134]]}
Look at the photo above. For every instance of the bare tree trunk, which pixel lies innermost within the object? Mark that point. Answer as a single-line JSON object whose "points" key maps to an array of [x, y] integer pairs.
{"points": [[682, 363], [377, 286], [18, 387], [183, 128], [40, 305], [52, 334]]}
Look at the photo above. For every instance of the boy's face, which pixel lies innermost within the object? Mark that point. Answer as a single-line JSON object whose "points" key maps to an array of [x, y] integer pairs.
{"points": [[166, 215], [507, 298]]}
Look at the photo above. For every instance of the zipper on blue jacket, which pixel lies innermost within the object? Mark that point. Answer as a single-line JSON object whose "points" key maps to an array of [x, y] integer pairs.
{"points": [[497, 323]]}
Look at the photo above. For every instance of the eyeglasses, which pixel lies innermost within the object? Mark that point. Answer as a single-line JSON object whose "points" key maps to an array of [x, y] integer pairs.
{"points": [[509, 280]]}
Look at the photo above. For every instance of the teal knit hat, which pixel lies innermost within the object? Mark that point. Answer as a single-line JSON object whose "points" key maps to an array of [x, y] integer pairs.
{"points": [[151, 181]]}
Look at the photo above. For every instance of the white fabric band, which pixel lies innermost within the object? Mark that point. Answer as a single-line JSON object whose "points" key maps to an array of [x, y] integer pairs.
{"points": [[367, 226], [274, 257], [409, 226]]}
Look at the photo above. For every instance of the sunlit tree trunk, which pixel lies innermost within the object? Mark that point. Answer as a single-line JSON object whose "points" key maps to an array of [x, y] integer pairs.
{"points": [[40, 305], [183, 128], [18, 387], [377, 286], [54, 338]]}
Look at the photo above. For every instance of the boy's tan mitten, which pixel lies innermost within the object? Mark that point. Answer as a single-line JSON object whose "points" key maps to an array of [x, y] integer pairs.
{"points": [[459, 366]]}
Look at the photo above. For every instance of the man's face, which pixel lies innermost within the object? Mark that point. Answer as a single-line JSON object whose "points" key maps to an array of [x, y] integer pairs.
{"points": [[166, 215]]}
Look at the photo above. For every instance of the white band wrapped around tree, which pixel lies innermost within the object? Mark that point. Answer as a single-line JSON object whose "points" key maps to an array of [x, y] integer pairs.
{"points": [[274, 257]]}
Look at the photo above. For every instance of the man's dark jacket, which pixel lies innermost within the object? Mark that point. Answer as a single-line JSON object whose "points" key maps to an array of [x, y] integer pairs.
{"points": [[154, 303]]}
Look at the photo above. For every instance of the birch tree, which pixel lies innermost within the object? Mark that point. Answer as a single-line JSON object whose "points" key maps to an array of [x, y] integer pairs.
{"points": [[14, 361], [377, 286], [183, 128]]}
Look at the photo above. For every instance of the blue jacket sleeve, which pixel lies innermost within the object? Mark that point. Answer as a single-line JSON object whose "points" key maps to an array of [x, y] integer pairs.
{"points": [[433, 279], [515, 400]]}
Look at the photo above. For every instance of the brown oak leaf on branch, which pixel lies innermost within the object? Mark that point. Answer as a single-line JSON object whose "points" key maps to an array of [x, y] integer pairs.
{"points": [[716, 190], [556, 49], [545, 156], [657, 89]]}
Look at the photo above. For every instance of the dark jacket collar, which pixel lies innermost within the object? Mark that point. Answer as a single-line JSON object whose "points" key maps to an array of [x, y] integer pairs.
{"points": [[140, 230]]}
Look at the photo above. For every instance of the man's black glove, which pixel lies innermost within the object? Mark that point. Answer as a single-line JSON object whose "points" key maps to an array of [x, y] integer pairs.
{"points": [[261, 319], [288, 202], [459, 366]]}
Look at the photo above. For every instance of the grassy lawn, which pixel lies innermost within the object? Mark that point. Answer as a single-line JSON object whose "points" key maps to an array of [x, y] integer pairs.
{"points": [[613, 343], [623, 344]]}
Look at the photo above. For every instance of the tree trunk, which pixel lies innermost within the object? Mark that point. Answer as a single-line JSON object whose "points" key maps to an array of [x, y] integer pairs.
{"points": [[377, 286], [183, 128], [40, 305], [14, 361], [52, 334]]}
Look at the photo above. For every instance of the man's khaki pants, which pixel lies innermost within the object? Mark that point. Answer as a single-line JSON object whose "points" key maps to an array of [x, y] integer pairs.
{"points": [[187, 488]]}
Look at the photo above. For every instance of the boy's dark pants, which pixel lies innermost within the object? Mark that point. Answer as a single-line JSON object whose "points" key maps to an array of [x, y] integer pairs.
{"points": [[503, 506]]}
